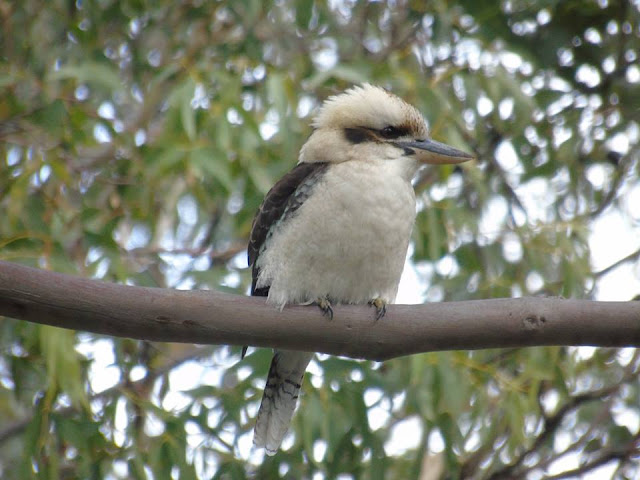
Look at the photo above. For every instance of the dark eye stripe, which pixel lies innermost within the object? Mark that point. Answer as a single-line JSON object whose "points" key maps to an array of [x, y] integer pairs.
{"points": [[393, 132], [364, 134], [356, 135]]}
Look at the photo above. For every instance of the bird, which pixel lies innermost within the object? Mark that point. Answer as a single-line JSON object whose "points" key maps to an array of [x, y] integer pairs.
{"points": [[336, 228]]}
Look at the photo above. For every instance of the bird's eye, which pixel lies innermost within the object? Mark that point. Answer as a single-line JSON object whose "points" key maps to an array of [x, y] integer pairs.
{"points": [[391, 132]]}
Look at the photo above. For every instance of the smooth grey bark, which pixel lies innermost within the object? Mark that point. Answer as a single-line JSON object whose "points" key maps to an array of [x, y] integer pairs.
{"points": [[209, 317]]}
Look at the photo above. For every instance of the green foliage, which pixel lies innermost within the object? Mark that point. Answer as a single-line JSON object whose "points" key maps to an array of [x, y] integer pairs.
{"points": [[137, 140]]}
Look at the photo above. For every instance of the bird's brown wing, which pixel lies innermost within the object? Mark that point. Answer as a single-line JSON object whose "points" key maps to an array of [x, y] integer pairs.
{"points": [[284, 198]]}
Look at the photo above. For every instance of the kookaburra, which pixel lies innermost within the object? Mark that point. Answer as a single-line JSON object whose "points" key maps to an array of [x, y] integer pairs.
{"points": [[336, 228]]}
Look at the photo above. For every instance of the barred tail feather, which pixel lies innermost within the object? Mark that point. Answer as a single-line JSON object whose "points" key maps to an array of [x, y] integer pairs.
{"points": [[280, 398]]}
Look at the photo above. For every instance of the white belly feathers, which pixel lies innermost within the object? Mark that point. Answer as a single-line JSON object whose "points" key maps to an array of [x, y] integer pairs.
{"points": [[348, 241]]}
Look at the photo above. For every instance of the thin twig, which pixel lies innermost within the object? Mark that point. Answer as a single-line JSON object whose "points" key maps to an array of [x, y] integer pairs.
{"points": [[629, 258]]}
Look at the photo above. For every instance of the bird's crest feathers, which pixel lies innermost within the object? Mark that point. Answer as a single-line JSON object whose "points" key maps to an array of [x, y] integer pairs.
{"points": [[372, 107]]}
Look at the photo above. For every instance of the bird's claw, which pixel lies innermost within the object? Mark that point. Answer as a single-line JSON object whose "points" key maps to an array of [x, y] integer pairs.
{"points": [[381, 307], [325, 306]]}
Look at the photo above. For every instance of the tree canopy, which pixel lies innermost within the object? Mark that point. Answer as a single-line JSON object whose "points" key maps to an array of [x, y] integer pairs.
{"points": [[138, 140]]}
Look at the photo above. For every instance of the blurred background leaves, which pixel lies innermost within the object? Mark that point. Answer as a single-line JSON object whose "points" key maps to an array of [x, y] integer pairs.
{"points": [[138, 139]]}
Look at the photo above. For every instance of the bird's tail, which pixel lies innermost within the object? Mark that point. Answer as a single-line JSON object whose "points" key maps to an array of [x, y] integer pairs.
{"points": [[279, 398]]}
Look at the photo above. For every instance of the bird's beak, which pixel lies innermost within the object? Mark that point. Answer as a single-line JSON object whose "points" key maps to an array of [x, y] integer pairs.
{"points": [[436, 153]]}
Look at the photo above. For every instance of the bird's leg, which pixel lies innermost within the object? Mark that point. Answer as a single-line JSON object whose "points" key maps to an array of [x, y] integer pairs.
{"points": [[381, 307], [325, 306]]}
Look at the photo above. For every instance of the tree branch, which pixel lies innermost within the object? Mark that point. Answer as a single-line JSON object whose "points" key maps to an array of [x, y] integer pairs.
{"points": [[551, 425], [603, 458], [209, 317]]}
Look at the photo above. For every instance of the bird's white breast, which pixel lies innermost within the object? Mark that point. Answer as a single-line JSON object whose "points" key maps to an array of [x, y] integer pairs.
{"points": [[349, 239]]}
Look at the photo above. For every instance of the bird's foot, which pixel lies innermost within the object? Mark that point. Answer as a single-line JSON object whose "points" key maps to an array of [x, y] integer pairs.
{"points": [[381, 307], [325, 306]]}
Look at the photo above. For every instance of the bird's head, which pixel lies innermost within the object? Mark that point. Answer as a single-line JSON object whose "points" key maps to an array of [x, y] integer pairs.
{"points": [[368, 123]]}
